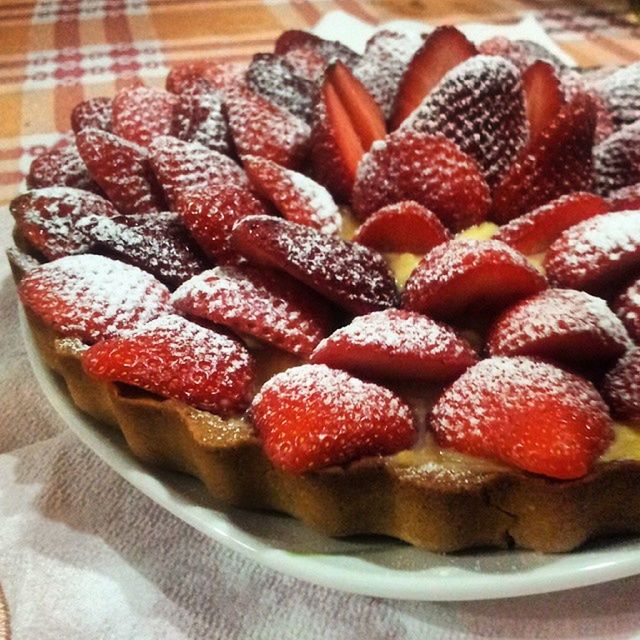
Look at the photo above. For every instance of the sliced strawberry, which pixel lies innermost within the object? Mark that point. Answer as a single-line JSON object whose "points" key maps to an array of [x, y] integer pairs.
{"points": [[267, 305], [621, 92], [525, 413], [92, 297], [431, 170], [311, 417], [207, 74], [621, 388], [616, 160], [627, 307], [60, 167], [396, 344], [122, 170], [404, 227], [296, 197], [535, 231], [443, 49], [141, 114], [350, 275], [543, 97], [347, 121], [94, 113], [463, 276], [185, 166], [261, 128], [559, 161], [47, 219], [597, 253], [625, 198], [175, 358], [522, 53], [562, 325]]}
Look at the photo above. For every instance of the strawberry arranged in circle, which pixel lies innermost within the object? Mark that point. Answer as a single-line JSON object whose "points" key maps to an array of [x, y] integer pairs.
{"points": [[206, 74], [533, 232], [354, 277], [621, 387], [94, 113], [562, 325], [620, 91], [465, 276], [311, 417], [297, 197], [627, 307], [122, 170], [525, 413], [92, 297], [431, 170], [616, 160], [543, 97], [267, 305], [597, 253], [175, 358], [625, 198], [404, 227], [60, 166], [396, 344]]}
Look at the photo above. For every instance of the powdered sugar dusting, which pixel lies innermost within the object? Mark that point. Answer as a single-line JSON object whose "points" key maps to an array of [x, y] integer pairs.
{"points": [[616, 160], [60, 166], [621, 92], [622, 387], [627, 306]]}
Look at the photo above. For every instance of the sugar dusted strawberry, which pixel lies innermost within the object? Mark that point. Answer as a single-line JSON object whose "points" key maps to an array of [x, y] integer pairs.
{"points": [[444, 49], [464, 276], [627, 307], [396, 344], [92, 297], [521, 53], [122, 170], [621, 388], [175, 358], [311, 417], [533, 232], [94, 113], [621, 92], [543, 97], [525, 413], [350, 275], [297, 197], [431, 170], [616, 160], [596, 254], [264, 304], [625, 198], [60, 167], [404, 227], [209, 74], [562, 325]]}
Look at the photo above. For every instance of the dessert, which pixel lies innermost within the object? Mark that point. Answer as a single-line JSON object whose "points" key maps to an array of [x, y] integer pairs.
{"points": [[392, 293]]}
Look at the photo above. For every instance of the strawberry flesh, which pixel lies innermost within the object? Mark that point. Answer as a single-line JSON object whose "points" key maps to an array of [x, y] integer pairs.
{"points": [[625, 198], [627, 307], [543, 97]]}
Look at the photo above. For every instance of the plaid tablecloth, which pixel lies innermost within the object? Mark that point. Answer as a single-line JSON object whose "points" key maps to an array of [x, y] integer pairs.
{"points": [[144, 573]]}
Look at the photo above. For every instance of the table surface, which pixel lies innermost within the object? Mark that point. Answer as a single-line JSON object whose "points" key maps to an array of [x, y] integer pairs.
{"points": [[82, 554]]}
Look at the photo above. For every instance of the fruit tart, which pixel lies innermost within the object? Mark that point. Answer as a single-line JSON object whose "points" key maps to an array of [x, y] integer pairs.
{"points": [[395, 292]]}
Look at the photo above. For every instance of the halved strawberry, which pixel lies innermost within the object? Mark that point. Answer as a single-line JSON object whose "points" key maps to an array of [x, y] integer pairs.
{"points": [[311, 417], [616, 160], [60, 166], [92, 297], [525, 413], [296, 197], [621, 93], [47, 219], [175, 358], [267, 305], [533, 232], [443, 49], [431, 170], [596, 254], [404, 227], [559, 161], [94, 113], [543, 97], [347, 121], [350, 275], [562, 325], [625, 198], [463, 276], [122, 170], [627, 307], [211, 74], [522, 53], [621, 388], [396, 344]]}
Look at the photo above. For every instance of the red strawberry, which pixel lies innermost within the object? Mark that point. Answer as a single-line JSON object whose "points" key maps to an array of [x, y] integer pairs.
{"points": [[462, 276], [559, 161], [563, 325], [621, 388], [625, 198], [620, 91], [264, 304], [209, 74], [597, 253], [627, 306], [431, 170], [396, 344], [346, 123], [121, 169], [60, 167], [521, 53], [443, 49], [543, 97], [296, 197], [479, 105], [535, 231], [350, 275], [175, 358], [616, 160], [311, 417], [92, 297], [404, 227], [94, 113], [48, 219], [525, 413]]}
